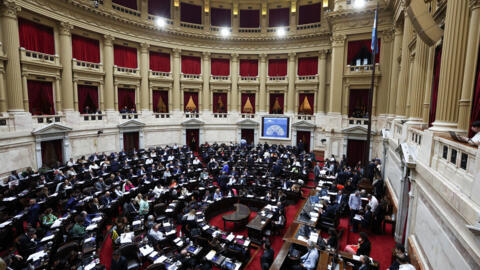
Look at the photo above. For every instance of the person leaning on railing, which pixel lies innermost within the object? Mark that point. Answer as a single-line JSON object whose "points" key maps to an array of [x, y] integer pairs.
{"points": [[475, 140]]}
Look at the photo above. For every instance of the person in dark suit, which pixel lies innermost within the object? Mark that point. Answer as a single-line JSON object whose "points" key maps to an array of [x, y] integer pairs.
{"points": [[118, 261], [106, 200], [267, 257], [365, 264], [364, 245], [33, 213], [27, 243]]}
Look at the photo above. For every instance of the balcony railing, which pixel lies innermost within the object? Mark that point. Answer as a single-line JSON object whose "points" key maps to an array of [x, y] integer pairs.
{"points": [[86, 65], [249, 30], [191, 25], [275, 29], [220, 115], [93, 117], [305, 117], [307, 78], [191, 115], [153, 18], [361, 69], [415, 136], [40, 57], [308, 26], [277, 78], [219, 78], [160, 74], [358, 121], [129, 115], [248, 115], [191, 76], [127, 71], [249, 78], [47, 119], [126, 10], [161, 115]]}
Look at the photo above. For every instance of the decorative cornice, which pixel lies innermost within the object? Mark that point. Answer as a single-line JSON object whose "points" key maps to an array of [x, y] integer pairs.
{"points": [[65, 28], [10, 9], [474, 4]]}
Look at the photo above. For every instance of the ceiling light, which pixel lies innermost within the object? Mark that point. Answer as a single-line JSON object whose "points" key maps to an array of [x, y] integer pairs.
{"points": [[281, 32], [359, 4], [160, 22], [225, 32]]}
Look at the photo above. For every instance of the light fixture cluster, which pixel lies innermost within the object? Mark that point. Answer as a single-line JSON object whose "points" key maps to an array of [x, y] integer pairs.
{"points": [[160, 22], [359, 3]]}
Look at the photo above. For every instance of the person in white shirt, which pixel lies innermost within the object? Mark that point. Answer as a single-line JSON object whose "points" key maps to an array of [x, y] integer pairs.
{"points": [[475, 140], [309, 260], [156, 233], [373, 202], [153, 154], [232, 181], [118, 191], [93, 167], [266, 154], [158, 191], [149, 161], [196, 161], [404, 265], [70, 162]]}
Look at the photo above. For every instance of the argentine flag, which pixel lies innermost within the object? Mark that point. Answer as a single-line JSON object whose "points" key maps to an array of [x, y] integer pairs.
{"points": [[374, 34]]}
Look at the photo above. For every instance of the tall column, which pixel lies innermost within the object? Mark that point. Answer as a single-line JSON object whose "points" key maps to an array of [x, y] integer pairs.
{"points": [[108, 66], [25, 90], [402, 86], [465, 103], [392, 96], [206, 82], [176, 13], [3, 94], [336, 76], [176, 79], [293, 17], [234, 106], [453, 64], [58, 95], [66, 61], [143, 9], [409, 87], [322, 77], [11, 42], [263, 83], [418, 80], [235, 17], [144, 70], [75, 96], [427, 96], [264, 17], [291, 83]]}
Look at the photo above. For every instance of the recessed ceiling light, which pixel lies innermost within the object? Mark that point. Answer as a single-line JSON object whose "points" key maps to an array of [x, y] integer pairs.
{"points": [[225, 32], [160, 22], [359, 3], [281, 32]]}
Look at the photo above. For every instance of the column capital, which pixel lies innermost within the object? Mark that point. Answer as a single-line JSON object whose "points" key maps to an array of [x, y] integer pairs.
{"points": [[338, 40], [108, 40], [144, 47], [474, 4], [65, 28], [263, 57], [322, 54], [176, 52], [10, 9], [234, 57], [206, 55], [388, 34], [291, 56]]}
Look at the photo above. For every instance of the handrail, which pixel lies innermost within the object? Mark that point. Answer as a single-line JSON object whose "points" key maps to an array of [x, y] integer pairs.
{"points": [[86, 64]]}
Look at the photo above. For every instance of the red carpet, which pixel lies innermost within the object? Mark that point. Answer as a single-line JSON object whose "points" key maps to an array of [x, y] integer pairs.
{"points": [[382, 245]]}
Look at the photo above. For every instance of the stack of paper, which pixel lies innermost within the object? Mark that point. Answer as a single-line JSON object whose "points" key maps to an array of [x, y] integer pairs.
{"points": [[210, 255]]}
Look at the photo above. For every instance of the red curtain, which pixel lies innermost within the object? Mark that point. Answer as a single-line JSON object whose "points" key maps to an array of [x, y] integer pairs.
{"points": [[276, 103], [220, 104], [248, 67], [248, 134], [85, 49], [192, 139], [36, 37], [159, 7], [40, 98], [278, 17], [246, 97], [126, 3], [159, 61], [160, 101], [355, 151], [190, 13], [309, 13], [358, 103], [307, 66], [125, 56], [220, 17], [249, 18], [130, 141], [126, 98], [277, 67], [361, 49], [186, 98], [220, 67], [191, 65], [52, 151], [436, 80], [476, 99], [303, 107], [87, 96]]}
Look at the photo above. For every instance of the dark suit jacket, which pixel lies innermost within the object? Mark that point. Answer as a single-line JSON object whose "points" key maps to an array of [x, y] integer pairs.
{"points": [[121, 264], [267, 257], [364, 248]]}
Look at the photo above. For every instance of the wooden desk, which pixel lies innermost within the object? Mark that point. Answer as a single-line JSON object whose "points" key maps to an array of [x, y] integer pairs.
{"points": [[240, 216], [255, 228]]}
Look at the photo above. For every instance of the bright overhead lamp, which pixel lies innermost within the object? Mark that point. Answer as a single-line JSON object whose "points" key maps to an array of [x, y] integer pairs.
{"points": [[359, 4], [281, 32], [160, 22], [225, 32]]}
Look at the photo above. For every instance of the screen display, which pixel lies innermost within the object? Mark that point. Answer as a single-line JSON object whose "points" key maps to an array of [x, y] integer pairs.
{"points": [[275, 127]]}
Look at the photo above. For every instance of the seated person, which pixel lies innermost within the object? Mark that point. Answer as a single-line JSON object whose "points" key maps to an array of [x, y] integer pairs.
{"points": [[217, 195], [155, 233], [309, 260], [78, 230], [332, 240], [144, 206], [266, 259], [27, 243], [362, 248], [48, 218]]}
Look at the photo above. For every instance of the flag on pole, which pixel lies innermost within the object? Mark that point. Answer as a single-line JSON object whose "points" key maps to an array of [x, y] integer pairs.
{"points": [[374, 34]]}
